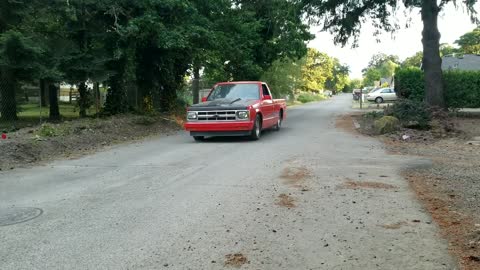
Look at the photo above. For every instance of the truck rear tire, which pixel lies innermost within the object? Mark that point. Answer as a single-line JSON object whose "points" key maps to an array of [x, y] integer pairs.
{"points": [[278, 126], [257, 129]]}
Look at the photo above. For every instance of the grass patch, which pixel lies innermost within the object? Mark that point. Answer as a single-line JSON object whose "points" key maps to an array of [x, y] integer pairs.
{"points": [[35, 111], [309, 97]]}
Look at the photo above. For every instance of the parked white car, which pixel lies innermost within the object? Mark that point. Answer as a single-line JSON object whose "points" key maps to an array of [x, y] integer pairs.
{"points": [[381, 95]]}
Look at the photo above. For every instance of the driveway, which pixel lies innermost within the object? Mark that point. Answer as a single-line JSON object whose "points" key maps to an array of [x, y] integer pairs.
{"points": [[308, 197]]}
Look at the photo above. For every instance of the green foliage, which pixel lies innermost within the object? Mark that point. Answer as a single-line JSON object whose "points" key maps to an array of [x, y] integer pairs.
{"points": [[317, 70], [283, 77], [48, 130], [409, 83], [411, 113], [413, 61], [339, 79], [386, 124], [462, 88], [470, 42], [310, 97]]}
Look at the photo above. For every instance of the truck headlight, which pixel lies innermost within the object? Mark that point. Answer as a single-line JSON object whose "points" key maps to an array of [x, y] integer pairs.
{"points": [[192, 116], [243, 115]]}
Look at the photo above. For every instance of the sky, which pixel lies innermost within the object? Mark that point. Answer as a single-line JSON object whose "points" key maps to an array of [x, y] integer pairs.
{"points": [[407, 41]]}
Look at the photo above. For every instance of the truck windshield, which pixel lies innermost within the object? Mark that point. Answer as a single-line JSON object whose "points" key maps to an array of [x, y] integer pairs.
{"points": [[235, 91]]}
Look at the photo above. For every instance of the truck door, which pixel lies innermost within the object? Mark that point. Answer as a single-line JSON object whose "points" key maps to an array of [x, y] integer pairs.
{"points": [[268, 108]]}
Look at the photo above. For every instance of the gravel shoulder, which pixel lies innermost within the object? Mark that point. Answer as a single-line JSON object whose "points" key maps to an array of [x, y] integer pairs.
{"points": [[450, 187]]}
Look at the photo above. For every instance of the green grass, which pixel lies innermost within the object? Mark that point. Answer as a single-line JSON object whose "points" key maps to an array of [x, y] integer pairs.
{"points": [[29, 111]]}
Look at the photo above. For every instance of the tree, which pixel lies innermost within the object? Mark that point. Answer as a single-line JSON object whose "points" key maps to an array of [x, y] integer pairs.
{"points": [[344, 18], [413, 61], [447, 49], [339, 78], [470, 42], [284, 77], [318, 68], [370, 76]]}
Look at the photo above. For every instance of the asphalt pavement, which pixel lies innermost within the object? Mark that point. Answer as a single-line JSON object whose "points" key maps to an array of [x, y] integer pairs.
{"points": [[307, 197]]}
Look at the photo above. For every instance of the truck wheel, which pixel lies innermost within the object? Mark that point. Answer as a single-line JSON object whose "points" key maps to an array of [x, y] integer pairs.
{"points": [[198, 138], [279, 121], [257, 129]]}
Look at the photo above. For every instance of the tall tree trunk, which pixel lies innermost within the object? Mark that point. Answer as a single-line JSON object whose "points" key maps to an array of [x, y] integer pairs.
{"points": [[8, 103], [432, 62], [43, 93], [83, 99], [53, 98], [196, 84]]}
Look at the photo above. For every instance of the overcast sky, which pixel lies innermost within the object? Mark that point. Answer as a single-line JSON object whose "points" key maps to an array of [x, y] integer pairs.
{"points": [[452, 24]]}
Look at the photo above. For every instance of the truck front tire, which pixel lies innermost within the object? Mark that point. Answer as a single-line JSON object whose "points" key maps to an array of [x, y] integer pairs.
{"points": [[257, 128]]}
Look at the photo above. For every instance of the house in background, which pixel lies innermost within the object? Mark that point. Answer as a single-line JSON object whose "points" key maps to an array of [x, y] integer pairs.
{"points": [[466, 62]]}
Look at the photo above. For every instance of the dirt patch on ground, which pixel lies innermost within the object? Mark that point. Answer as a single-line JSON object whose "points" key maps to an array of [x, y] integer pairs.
{"points": [[285, 200], [72, 139], [235, 260], [365, 185], [295, 176], [450, 188], [346, 123], [394, 226]]}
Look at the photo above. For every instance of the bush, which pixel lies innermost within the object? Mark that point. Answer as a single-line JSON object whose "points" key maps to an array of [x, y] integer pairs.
{"points": [[462, 88], [409, 83], [309, 97], [411, 113], [386, 124], [47, 130]]}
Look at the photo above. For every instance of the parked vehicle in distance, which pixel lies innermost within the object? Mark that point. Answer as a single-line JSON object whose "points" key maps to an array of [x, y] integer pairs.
{"points": [[381, 95], [328, 93], [236, 109], [356, 94]]}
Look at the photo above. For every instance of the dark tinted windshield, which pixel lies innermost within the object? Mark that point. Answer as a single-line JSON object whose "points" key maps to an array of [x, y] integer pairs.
{"points": [[235, 91]]}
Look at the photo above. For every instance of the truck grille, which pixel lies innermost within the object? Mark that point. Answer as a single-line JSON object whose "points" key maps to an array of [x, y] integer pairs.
{"points": [[217, 116]]}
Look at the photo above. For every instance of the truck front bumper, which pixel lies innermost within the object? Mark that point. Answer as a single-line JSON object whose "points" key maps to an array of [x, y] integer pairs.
{"points": [[238, 128]]}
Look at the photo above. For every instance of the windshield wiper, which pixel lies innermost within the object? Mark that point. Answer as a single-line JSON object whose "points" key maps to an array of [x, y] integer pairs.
{"points": [[238, 99]]}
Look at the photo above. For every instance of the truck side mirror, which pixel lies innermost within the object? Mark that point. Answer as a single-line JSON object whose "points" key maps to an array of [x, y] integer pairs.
{"points": [[204, 99], [267, 97]]}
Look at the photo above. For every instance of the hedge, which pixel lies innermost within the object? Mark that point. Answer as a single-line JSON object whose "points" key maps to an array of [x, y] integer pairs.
{"points": [[462, 88]]}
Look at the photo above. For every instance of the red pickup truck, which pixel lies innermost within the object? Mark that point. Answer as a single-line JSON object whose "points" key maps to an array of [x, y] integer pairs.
{"points": [[236, 109]]}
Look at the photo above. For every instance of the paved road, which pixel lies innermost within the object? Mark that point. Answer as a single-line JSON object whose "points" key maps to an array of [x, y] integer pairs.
{"points": [[170, 203]]}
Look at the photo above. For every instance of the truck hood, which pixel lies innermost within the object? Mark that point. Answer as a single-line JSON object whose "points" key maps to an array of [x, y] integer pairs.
{"points": [[222, 104]]}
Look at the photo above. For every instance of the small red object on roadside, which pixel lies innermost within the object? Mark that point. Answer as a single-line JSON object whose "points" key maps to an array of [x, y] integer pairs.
{"points": [[4, 136]]}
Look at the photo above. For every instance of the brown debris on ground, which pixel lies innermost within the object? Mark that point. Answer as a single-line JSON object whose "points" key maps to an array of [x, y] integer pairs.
{"points": [[71, 139], [449, 189], [365, 185], [394, 226], [295, 176], [235, 260], [286, 201], [456, 227], [346, 123]]}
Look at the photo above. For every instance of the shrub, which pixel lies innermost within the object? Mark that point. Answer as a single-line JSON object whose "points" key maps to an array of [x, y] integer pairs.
{"points": [[409, 83], [386, 124], [411, 113], [48, 130], [309, 97], [462, 88]]}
